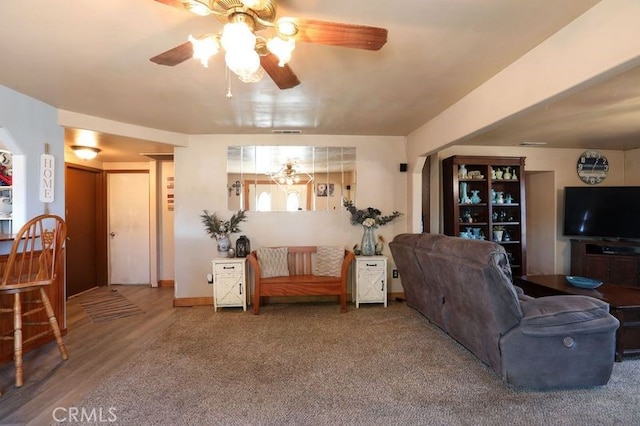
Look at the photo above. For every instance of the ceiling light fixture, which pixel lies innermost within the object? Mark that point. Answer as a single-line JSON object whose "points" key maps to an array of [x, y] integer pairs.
{"points": [[197, 7], [85, 152], [241, 45], [289, 175], [255, 4]]}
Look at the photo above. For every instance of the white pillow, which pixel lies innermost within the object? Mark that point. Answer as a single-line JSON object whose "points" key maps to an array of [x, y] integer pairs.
{"points": [[273, 262], [328, 261]]}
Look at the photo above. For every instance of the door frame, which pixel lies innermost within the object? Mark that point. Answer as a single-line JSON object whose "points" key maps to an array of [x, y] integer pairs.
{"points": [[153, 220]]}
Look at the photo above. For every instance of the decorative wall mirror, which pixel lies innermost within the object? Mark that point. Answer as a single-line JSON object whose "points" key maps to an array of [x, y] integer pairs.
{"points": [[290, 178]]}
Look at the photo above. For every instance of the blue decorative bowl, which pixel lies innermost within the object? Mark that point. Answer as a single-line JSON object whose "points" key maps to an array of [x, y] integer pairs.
{"points": [[583, 282]]}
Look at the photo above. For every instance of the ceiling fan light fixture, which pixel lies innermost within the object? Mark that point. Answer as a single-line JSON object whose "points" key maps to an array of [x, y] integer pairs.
{"points": [[282, 49], [85, 152], [286, 27], [243, 63], [255, 4], [253, 77], [204, 49], [197, 7], [237, 36]]}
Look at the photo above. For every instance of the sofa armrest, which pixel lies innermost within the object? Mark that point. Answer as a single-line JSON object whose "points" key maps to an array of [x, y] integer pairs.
{"points": [[561, 315]]}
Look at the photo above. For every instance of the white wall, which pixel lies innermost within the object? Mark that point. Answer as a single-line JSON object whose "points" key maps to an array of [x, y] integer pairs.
{"points": [[26, 125], [200, 171]]}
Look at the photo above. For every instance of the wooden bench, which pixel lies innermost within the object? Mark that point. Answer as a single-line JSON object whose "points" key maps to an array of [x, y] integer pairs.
{"points": [[300, 281]]}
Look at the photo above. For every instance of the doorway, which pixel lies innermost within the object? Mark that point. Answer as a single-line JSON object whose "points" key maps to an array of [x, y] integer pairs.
{"points": [[542, 207]]}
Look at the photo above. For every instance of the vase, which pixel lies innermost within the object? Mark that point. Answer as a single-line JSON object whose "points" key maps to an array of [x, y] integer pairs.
{"points": [[507, 173], [475, 198], [368, 246], [224, 243], [462, 172], [464, 197]]}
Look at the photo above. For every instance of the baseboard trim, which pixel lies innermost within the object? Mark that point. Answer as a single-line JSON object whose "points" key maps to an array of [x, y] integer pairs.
{"points": [[166, 283], [396, 296], [187, 302]]}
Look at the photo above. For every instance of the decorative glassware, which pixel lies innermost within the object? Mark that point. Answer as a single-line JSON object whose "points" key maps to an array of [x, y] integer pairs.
{"points": [[464, 197], [462, 172], [368, 246], [475, 198], [224, 243]]}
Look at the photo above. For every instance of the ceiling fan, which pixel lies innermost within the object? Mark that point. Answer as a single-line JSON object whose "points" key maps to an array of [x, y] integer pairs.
{"points": [[248, 51]]}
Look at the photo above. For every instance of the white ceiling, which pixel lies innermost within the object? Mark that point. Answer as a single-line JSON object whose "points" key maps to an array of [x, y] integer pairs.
{"points": [[93, 58]]}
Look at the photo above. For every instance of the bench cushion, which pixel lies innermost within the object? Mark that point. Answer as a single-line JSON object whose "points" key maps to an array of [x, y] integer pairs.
{"points": [[273, 262]]}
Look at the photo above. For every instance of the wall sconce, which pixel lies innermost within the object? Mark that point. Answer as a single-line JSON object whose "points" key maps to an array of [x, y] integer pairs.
{"points": [[85, 152], [237, 185]]}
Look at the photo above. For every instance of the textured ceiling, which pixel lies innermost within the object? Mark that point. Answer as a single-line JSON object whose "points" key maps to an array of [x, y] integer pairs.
{"points": [[93, 58]]}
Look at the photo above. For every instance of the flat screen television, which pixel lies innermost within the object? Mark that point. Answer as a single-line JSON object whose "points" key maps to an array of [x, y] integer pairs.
{"points": [[611, 212]]}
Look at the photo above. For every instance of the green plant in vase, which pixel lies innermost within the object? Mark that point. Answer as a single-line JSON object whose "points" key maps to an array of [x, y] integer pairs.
{"points": [[221, 229], [370, 218]]}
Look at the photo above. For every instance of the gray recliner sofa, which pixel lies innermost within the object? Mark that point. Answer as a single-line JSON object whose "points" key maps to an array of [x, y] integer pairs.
{"points": [[465, 287]]}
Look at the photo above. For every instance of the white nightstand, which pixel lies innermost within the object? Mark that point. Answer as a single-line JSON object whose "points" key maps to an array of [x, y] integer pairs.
{"points": [[229, 282], [370, 280]]}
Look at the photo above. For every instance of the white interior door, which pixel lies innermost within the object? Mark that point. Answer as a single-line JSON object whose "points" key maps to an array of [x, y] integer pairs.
{"points": [[128, 198]]}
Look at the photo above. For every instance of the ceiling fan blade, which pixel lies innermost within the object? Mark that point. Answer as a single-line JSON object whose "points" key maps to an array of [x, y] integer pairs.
{"points": [[174, 56], [339, 34], [173, 3], [284, 77]]}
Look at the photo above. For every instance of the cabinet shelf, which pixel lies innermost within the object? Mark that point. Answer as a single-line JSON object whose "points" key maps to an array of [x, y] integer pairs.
{"points": [[488, 213]]}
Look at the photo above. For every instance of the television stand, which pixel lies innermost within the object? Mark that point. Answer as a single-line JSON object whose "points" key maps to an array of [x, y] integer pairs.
{"points": [[613, 262]]}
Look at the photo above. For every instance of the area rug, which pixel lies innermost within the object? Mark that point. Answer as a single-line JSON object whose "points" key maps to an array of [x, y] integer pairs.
{"points": [[309, 364], [109, 306]]}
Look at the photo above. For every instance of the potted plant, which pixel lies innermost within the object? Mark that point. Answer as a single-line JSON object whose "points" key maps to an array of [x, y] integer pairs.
{"points": [[220, 229], [498, 231], [369, 218]]}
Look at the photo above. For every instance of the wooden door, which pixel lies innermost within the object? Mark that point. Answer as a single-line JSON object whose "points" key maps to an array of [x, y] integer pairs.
{"points": [[84, 215]]}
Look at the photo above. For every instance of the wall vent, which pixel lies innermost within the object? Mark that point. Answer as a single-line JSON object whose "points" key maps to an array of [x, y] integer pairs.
{"points": [[532, 143], [286, 132]]}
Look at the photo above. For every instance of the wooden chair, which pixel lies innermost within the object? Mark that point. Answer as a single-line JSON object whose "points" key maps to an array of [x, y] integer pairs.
{"points": [[30, 267]]}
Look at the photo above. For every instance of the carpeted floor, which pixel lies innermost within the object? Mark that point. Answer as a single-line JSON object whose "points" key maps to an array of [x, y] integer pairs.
{"points": [[309, 364], [108, 306]]}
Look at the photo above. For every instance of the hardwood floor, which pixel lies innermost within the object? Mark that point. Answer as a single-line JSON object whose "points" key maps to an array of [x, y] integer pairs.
{"points": [[95, 351]]}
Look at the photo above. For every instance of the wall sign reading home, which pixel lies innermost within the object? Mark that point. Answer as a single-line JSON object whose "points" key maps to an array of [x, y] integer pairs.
{"points": [[290, 178]]}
